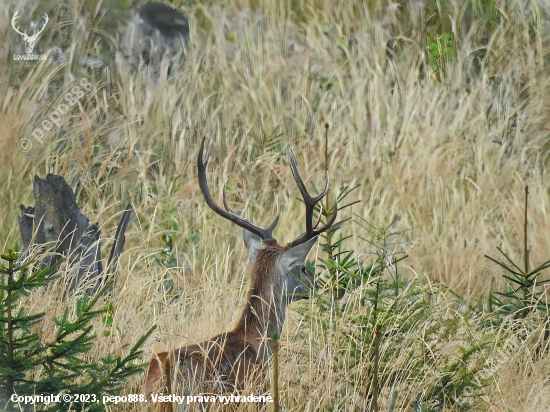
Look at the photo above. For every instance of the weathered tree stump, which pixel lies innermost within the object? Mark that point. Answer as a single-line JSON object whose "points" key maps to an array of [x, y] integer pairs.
{"points": [[55, 223]]}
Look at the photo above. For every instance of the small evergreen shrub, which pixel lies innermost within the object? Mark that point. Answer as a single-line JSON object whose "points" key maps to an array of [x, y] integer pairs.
{"points": [[522, 296], [62, 366], [379, 322]]}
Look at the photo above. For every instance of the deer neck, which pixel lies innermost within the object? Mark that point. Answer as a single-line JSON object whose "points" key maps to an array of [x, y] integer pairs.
{"points": [[265, 310]]}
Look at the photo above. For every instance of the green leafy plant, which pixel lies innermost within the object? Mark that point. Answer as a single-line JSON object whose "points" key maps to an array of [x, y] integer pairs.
{"points": [[522, 296], [442, 46], [382, 314], [374, 314], [333, 240], [441, 51], [63, 365], [333, 245]]}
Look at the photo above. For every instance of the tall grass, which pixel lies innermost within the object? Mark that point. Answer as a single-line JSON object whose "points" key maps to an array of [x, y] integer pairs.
{"points": [[442, 153]]}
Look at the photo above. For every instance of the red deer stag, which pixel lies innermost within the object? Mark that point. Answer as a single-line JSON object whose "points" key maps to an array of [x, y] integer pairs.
{"points": [[221, 364]]}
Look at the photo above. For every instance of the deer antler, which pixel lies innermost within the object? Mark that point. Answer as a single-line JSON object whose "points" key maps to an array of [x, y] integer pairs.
{"points": [[37, 32], [25, 35], [13, 20], [310, 202], [228, 213]]}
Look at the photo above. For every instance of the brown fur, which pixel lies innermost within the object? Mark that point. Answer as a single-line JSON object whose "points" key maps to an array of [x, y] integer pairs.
{"points": [[222, 363]]}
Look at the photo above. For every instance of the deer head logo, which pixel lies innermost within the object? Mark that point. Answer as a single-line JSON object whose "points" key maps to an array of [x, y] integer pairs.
{"points": [[30, 41]]}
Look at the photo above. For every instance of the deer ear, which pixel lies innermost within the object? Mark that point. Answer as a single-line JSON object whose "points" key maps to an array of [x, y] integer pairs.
{"points": [[253, 243], [297, 254]]}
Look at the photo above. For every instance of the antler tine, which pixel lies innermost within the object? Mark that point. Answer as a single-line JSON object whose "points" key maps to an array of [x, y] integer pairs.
{"points": [[225, 204], [304, 237], [36, 32], [45, 23], [310, 202], [318, 221], [13, 20], [331, 220], [300, 183], [228, 213], [273, 224]]}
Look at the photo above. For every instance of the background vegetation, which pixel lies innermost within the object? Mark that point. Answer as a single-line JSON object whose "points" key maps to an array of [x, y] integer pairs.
{"points": [[438, 111]]}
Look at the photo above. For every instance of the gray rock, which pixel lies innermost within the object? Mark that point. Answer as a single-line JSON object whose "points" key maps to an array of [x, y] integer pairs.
{"points": [[157, 31]]}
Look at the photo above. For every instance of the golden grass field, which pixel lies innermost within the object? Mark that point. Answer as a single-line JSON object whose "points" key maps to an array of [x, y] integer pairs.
{"points": [[444, 155]]}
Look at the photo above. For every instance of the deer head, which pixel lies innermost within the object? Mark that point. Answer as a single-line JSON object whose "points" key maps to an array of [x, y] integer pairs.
{"points": [[278, 275], [30, 41]]}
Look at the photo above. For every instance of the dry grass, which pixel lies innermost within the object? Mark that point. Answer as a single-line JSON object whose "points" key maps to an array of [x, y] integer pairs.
{"points": [[446, 159]]}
